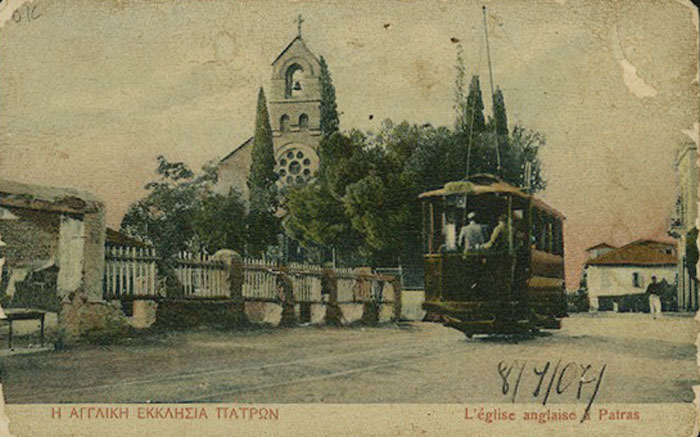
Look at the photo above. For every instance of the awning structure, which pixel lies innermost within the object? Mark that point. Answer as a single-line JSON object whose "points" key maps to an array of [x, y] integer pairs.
{"points": [[496, 186]]}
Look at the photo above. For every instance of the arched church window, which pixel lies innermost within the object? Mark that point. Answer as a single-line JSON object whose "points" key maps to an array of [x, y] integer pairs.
{"points": [[294, 81], [303, 121], [284, 123]]}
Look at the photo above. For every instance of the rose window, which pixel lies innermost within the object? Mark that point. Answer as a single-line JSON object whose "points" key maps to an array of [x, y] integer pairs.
{"points": [[293, 167]]}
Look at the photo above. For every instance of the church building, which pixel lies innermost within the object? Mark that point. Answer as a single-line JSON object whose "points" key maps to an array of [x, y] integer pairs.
{"points": [[295, 117]]}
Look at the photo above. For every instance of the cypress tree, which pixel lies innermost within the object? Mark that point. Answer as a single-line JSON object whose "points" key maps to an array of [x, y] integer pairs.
{"points": [[475, 107], [499, 114], [330, 122], [262, 168], [460, 102], [263, 226], [500, 129]]}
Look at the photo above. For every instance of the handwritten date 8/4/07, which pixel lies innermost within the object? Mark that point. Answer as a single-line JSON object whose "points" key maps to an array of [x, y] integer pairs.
{"points": [[551, 378]]}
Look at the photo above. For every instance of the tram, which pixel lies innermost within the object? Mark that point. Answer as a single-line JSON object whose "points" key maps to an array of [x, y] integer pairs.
{"points": [[504, 281]]}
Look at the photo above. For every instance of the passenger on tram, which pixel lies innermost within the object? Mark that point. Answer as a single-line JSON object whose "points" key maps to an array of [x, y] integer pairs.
{"points": [[499, 235], [471, 235], [450, 231]]}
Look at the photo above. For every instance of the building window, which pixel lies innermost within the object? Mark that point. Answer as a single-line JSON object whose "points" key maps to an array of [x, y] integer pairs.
{"points": [[294, 79], [284, 123], [294, 167], [636, 280], [303, 121]]}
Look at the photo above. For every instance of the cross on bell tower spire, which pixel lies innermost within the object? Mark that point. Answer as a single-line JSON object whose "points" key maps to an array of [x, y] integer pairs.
{"points": [[299, 20]]}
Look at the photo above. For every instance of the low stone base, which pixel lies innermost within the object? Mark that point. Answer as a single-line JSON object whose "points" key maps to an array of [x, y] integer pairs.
{"points": [[143, 314], [386, 313], [267, 313], [412, 304], [351, 312], [184, 313], [318, 313], [80, 321]]}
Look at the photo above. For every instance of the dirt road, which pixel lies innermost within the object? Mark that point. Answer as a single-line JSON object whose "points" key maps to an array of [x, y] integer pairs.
{"points": [[643, 361]]}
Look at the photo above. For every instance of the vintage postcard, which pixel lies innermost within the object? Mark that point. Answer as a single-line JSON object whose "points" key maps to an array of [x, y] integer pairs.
{"points": [[367, 218]]}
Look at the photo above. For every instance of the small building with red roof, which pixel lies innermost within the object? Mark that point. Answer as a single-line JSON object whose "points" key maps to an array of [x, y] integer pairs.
{"points": [[628, 270]]}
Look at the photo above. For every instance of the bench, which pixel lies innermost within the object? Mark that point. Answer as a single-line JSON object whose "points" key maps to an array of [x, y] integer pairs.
{"points": [[24, 314]]}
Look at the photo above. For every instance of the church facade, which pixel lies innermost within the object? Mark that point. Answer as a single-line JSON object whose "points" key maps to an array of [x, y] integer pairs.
{"points": [[294, 107]]}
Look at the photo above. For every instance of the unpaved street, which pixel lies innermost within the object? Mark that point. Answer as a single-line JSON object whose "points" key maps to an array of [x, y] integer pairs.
{"points": [[645, 361]]}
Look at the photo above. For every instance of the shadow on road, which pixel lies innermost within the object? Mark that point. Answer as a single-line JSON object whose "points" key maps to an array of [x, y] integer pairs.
{"points": [[512, 338]]}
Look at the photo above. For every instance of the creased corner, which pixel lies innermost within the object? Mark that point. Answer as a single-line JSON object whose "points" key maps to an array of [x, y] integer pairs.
{"points": [[4, 420]]}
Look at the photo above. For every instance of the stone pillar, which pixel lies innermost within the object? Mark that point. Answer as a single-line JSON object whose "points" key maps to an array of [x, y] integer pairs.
{"points": [[94, 253], [285, 290], [84, 316], [234, 263], [329, 287]]}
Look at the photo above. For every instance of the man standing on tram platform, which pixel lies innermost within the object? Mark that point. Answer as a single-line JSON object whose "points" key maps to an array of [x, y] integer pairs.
{"points": [[498, 236], [471, 235]]}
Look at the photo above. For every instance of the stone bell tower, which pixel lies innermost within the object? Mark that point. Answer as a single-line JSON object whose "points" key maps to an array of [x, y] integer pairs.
{"points": [[295, 116]]}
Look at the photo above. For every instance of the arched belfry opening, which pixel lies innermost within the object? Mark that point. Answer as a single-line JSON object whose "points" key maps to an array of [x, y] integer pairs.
{"points": [[284, 123], [303, 122], [294, 78]]}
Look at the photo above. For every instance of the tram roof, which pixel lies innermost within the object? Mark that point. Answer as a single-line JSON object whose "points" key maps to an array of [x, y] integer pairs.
{"points": [[496, 186]]}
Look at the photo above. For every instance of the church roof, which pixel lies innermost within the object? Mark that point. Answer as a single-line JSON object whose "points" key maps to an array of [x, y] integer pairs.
{"points": [[638, 253], [290, 45], [237, 149]]}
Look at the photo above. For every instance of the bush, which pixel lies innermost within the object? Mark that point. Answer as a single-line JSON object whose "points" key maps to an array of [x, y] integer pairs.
{"points": [[578, 302]]}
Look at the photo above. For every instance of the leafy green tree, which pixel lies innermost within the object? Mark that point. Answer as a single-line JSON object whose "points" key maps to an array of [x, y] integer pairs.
{"points": [[181, 212], [220, 223], [315, 212], [165, 216], [524, 147], [330, 122]]}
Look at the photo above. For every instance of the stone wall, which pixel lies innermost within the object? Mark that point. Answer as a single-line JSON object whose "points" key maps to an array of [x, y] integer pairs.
{"points": [[31, 237]]}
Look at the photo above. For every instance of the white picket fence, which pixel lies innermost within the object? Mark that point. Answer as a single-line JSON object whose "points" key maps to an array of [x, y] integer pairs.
{"points": [[346, 283], [306, 281], [129, 271], [259, 279], [200, 276]]}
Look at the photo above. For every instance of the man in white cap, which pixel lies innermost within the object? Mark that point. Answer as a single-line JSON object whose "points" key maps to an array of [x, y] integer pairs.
{"points": [[471, 235]]}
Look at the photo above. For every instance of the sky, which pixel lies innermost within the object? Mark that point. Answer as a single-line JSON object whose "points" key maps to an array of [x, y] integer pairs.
{"points": [[93, 91]]}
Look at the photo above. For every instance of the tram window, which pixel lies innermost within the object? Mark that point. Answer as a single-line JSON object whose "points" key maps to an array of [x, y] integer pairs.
{"points": [[436, 223], [558, 237], [426, 228], [542, 231], [534, 231]]}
